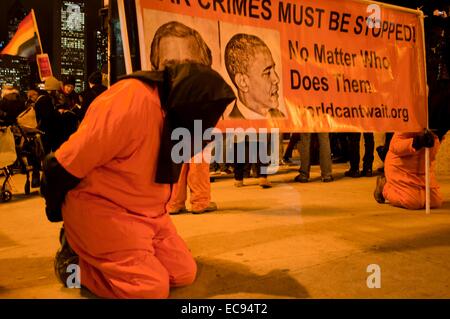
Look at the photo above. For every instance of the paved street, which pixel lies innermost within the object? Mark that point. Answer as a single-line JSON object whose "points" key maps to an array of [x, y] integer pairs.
{"points": [[295, 240]]}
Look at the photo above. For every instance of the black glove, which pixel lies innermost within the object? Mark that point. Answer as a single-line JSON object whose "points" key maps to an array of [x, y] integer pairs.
{"points": [[55, 184], [423, 140]]}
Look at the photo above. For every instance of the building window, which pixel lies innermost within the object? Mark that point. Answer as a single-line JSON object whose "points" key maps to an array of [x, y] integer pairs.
{"points": [[73, 41]]}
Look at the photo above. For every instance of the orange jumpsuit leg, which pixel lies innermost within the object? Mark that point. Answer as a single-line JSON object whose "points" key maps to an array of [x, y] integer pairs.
{"points": [[175, 256], [401, 196], [199, 185], [179, 191], [410, 197], [436, 199], [145, 273]]}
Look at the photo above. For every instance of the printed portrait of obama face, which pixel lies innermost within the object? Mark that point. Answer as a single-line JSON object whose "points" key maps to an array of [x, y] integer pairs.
{"points": [[175, 43], [251, 68]]}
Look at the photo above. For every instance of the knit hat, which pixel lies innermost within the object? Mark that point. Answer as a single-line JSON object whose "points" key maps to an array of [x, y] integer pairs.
{"points": [[52, 84]]}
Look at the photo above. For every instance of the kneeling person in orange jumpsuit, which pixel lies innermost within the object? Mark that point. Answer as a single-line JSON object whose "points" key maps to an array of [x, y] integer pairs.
{"points": [[111, 180], [404, 182]]}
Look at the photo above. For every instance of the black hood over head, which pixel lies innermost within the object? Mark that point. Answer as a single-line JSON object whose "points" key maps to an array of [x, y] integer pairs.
{"points": [[187, 92]]}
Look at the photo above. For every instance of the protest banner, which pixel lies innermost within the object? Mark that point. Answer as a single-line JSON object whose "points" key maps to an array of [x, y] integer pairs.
{"points": [[309, 66], [44, 66]]}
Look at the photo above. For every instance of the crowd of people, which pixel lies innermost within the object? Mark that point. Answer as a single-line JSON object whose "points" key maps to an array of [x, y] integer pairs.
{"points": [[55, 111], [58, 107]]}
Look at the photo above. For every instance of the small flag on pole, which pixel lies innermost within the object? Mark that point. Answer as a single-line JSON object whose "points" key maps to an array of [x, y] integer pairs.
{"points": [[26, 41]]}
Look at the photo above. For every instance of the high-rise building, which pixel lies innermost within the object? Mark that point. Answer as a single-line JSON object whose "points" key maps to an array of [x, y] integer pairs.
{"points": [[73, 41], [102, 39], [68, 33], [15, 70]]}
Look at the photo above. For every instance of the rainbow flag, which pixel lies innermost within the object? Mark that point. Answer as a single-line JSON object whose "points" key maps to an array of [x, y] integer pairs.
{"points": [[25, 42]]}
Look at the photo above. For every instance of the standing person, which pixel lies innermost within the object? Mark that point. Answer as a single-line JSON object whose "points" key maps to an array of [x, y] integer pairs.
{"points": [[174, 43], [11, 104], [252, 147], [111, 180], [46, 114], [305, 154], [293, 140], [95, 89], [28, 119], [354, 154], [67, 104], [32, 96], [71, 99]]}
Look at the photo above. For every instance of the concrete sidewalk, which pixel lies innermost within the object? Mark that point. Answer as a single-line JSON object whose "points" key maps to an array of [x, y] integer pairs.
{"points": [[295, 240]]}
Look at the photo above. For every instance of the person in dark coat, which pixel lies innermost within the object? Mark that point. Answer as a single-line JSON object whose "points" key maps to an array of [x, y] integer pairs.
{"points": [[46, 114], [70, 98], [95, 89], [11, 104]]}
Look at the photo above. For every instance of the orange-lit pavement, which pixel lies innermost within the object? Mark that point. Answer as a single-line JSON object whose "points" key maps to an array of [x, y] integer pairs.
{"points": [[295, 240]]}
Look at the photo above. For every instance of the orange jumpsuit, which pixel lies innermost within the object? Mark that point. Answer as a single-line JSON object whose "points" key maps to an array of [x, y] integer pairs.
{"points": [[405, 174], [115, 219], [196, 176]]}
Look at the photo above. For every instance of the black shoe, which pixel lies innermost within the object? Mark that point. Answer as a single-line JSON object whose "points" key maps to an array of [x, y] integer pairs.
{"points": [[327, 179], [352, 173], [301, 179], [378, 193], [64, 258], [367, 172]]}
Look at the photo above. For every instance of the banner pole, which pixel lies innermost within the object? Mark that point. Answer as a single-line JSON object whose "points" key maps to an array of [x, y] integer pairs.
{"points": [[37, 31], [427, 150], [140, 24], [427, 181], [124, 33]]}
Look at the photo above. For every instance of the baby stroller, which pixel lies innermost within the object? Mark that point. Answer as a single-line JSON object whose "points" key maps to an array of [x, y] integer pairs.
{"points": [[21, 142]]}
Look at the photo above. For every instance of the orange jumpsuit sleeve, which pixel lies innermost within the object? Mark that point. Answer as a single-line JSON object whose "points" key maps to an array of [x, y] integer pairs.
{"points": [[402, 146], [111, 128]]}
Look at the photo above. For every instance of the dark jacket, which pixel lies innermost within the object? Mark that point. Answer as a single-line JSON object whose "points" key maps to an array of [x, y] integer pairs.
{"points": [[46, 117], [89, 96], [11, 105]]}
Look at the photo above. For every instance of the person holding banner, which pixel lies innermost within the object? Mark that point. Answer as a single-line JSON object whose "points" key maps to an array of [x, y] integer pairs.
{"points": [[174, 43], [354, 154], [326, 166], [404, 182]]}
